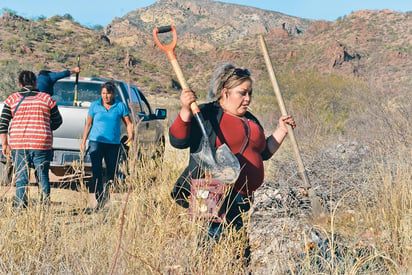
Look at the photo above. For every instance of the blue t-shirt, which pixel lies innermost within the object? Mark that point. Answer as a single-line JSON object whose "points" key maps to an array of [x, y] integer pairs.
{"points": [[106, 123]]}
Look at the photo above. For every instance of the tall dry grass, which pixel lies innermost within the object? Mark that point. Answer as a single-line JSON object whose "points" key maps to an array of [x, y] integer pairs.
{"points": [[142, 231], [369, 230]]}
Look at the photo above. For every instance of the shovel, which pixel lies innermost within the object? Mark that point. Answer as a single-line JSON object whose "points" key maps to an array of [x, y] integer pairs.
{"points": [[318, 211], [220, 163]]}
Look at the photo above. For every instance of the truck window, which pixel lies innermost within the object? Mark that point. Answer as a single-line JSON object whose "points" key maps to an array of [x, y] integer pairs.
{"points": [[87, 93], [145, 108], [145, 103], [136, 101]]}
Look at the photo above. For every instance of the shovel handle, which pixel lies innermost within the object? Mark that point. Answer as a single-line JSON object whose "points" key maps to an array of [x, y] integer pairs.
{"points": [[282, 107], [78, 65], [76, 83], [169, 50]]}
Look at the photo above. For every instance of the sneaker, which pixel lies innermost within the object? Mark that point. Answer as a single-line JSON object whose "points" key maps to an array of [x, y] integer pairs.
{"points": [[17, 208], [18, 204], [101, 202]]}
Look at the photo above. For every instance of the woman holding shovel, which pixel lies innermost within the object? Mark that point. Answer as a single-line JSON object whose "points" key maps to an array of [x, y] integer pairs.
{"points": [[227, 121]]}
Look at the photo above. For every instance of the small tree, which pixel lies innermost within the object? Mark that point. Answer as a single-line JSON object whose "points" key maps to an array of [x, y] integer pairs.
{"points": [[9, 71], [68, 16], [97, 28], [7, 10]]}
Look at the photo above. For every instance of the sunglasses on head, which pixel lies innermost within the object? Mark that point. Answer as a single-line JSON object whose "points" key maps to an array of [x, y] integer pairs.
{"points": [[238, 72]]}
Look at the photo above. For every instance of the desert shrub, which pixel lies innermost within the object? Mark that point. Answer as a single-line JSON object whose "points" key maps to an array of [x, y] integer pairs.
{"points": [[58, 55], [145, 79], [321, 104], [11, 44], [392, 202], [68, 16], [149, 66], [97, 28], [45, 47], [152, 86], [39, 66], [9, 71], [36, 34], [55, 19], [385, 119], [325, 102], [41, 18], [7, 10], [68, 32]]}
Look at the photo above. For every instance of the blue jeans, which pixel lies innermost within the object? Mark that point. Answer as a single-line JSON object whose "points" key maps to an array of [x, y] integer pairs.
{"points": [[232, 208], [234, 205], [23, 160], [99, 151]]}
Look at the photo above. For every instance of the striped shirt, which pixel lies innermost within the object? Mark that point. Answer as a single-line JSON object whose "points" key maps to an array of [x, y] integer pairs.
{"points": [[31, 126]]}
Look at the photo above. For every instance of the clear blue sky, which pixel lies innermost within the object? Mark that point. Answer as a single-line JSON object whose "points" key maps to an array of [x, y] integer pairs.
{"points": [[101, 12]]}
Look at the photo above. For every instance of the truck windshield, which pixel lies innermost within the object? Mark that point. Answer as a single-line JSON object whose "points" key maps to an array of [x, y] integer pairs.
{"points": [[87, 93]]}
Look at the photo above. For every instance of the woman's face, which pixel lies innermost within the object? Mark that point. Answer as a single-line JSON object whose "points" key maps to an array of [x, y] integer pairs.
{"points": [[235, 101], [108, 98]]}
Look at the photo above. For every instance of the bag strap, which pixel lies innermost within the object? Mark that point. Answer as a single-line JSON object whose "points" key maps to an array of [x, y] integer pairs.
{"points": [[21, 100], [245, 123]]}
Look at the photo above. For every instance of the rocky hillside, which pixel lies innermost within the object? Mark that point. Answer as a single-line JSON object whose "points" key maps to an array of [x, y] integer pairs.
{"points": [[202, 24], [330, 73], [371, 46]]}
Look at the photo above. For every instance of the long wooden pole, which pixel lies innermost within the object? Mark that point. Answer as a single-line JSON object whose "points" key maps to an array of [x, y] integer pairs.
{"points": [[317, 208]]}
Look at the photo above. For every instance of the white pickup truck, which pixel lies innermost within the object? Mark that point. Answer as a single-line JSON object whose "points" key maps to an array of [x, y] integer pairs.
{"points": [[67, 138]]}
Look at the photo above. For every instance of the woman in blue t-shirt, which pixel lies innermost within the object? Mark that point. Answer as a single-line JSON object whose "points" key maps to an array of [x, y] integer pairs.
{"points": [[103, 130]]}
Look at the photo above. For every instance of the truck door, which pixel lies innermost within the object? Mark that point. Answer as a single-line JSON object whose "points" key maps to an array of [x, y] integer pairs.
{"points": [[146, 125]]}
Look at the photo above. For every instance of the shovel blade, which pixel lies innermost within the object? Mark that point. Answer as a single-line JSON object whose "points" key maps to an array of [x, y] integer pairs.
{"points": [[221, 163], [319, 213]]}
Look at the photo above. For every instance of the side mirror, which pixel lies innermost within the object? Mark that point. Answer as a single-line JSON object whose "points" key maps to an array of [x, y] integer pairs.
{"points": [[160, 113]]}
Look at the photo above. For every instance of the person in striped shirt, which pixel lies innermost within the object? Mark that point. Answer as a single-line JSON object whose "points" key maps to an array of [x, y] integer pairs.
{"points": [[27, 121]]}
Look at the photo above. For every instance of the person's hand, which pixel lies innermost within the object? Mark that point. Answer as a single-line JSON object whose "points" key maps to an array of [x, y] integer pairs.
{"points": [[129, 142], [187, 97], [76, 70], [285, 120], [6, 151], [82, 147]]}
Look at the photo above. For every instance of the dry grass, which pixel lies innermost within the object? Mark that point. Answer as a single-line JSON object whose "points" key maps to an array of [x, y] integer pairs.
{"points": [[142, 231]]}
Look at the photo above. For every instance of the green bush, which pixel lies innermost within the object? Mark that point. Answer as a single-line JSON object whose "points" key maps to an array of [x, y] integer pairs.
{"points": [[320, 102], [10, 45], [45, 47], [9, 71], [68, 32]]}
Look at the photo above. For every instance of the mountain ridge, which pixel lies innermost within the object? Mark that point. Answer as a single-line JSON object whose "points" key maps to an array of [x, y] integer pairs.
{"points": [[373, 46]]}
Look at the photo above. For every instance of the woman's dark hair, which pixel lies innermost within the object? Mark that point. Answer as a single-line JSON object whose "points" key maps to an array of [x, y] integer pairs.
{"points": [[110, 87], [27, 78]]}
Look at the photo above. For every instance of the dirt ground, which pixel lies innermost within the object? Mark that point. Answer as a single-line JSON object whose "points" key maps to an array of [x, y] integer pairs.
{"points": [[59, 196]]}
